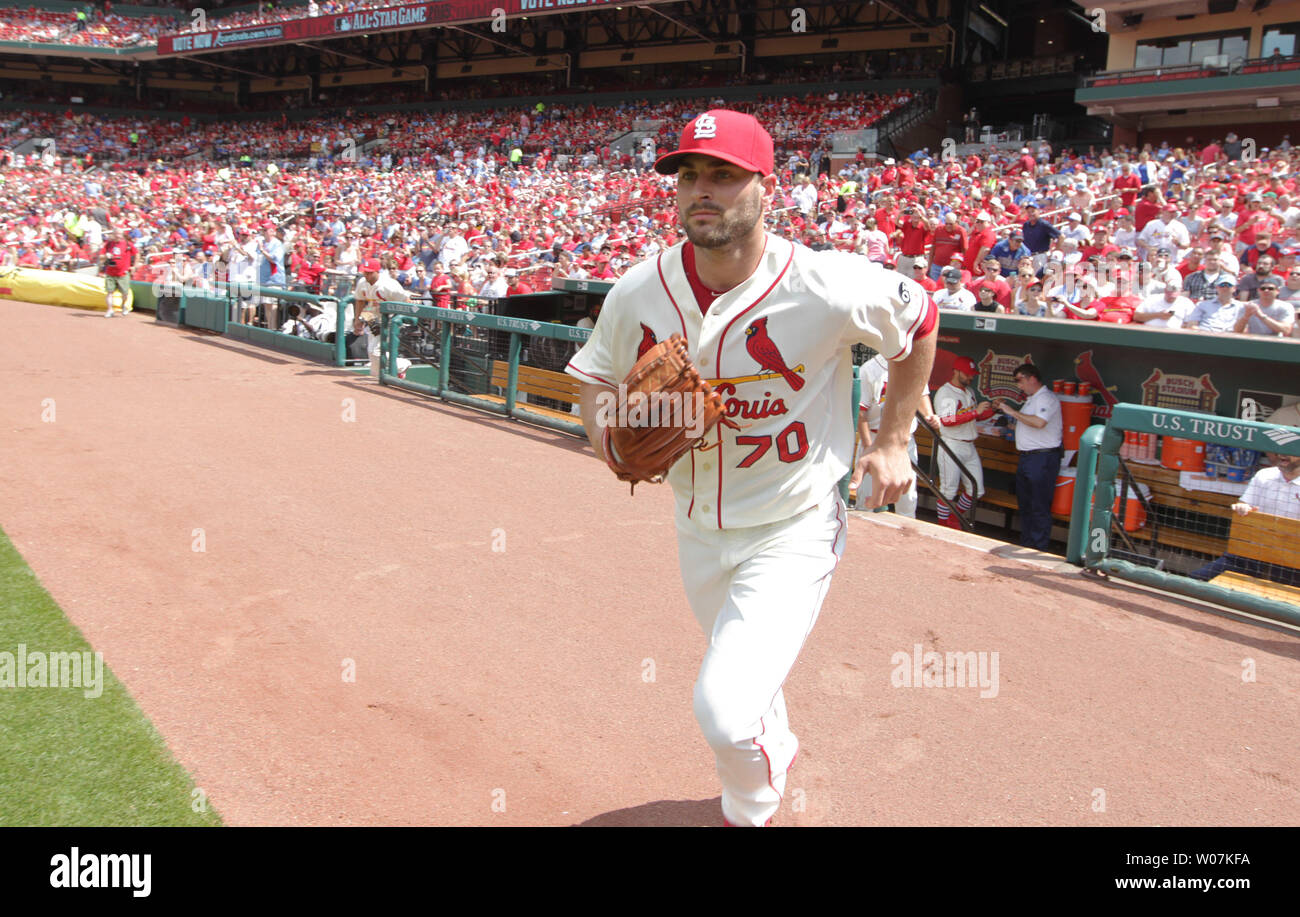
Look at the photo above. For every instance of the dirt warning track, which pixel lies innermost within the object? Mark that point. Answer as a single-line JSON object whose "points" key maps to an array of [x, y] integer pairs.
{"points": [[239, 533]]}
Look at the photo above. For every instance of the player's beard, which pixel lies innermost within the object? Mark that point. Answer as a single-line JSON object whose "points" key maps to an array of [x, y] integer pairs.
{"points": [[731, 226]]}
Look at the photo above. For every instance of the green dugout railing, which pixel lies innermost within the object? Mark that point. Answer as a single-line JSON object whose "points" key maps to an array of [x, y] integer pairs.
{"points": [[212, 310], [394, 315], [1090, 535]]}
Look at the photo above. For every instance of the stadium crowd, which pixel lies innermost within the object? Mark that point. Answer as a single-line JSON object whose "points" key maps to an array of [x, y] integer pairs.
{"points": [[454, 206], [93, 26]]}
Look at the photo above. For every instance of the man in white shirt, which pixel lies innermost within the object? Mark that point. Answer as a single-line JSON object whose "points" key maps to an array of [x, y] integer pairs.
{"points": [[954, 294], [495, 286], [1074, 229], [241, 275], [1038, 440], [1219, 245], [1157, 274], [454, 246], [805, 196], [1166, 309], [92, 237], [1164, 232], [1126, 236]]}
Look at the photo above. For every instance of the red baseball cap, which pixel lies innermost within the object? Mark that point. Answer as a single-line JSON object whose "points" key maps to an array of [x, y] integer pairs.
{"points": [[966, 365], [370, 265], [732, 136]]}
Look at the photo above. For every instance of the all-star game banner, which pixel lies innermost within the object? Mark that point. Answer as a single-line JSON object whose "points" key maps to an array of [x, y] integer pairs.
{"points": [[389, 19]]}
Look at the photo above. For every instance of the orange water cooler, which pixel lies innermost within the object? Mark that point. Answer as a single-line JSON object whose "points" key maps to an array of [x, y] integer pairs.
{"points": [[1135, 517], [1076, 416], [1182, 454], [1063, 497]]}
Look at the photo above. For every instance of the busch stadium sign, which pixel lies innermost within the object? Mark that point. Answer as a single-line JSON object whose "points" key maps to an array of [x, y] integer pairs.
{"points": [[391, 18]]}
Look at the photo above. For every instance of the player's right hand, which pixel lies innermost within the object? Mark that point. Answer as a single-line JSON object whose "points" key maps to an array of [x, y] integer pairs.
{"points": [[891, 473]]}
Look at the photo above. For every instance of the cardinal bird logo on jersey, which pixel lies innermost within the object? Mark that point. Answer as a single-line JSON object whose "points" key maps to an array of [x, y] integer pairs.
{"points": [[765, 352], [648, 340]]}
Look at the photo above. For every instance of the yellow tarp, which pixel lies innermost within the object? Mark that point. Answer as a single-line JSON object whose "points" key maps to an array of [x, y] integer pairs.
{"points": [[54, 288]]}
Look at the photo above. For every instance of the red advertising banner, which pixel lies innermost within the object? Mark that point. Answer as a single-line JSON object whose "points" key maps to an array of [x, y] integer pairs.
{"points": [[387, 19]]}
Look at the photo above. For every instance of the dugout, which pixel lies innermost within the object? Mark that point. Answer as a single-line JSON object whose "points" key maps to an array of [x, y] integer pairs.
{"points": [[1223, 375]]}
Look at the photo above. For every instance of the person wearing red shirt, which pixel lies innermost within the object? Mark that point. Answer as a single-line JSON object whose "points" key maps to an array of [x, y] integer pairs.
{"points": [[886, 215], [1191, 264], [1128, 184], [948, 240], [918, 272], [310, 270], [119, 259], [992, 278], [1263, 247], [1118, 309], [981, 242], [913, 236], [440, 286], [1100, 246], [518, 286], [1255, 221], [1147, 209]]}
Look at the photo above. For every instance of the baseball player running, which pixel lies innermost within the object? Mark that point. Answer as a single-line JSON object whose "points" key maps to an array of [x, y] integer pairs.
{"points": [[760, 525], [874, 377], [958, 409]]}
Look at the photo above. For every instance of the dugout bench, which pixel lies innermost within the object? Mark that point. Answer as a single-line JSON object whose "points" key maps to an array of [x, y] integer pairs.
{"points": [[1268, 539], [537, 383]]}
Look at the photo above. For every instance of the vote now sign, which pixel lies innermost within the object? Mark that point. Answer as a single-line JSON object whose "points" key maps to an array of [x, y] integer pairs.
{"points": [[385, 19]]}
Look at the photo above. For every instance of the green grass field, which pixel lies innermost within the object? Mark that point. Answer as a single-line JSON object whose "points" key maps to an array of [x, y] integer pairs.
{"points": [[70, 759]]}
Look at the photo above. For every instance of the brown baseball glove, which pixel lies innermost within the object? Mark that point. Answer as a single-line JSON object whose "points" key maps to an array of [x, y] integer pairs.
{"points": [[665, 409]]}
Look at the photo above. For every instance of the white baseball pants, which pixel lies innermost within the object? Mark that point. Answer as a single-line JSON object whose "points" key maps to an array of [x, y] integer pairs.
{"points": [[756, 593], [951, 479]]}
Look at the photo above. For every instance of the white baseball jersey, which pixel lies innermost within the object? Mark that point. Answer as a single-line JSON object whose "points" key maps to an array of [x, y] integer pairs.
{"points": [[962, 300], [953, 400], [874, 379], [776, 348], [385, 289]]}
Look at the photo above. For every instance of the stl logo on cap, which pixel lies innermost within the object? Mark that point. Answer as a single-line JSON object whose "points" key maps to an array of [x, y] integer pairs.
{"points": [[706, 128]]}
